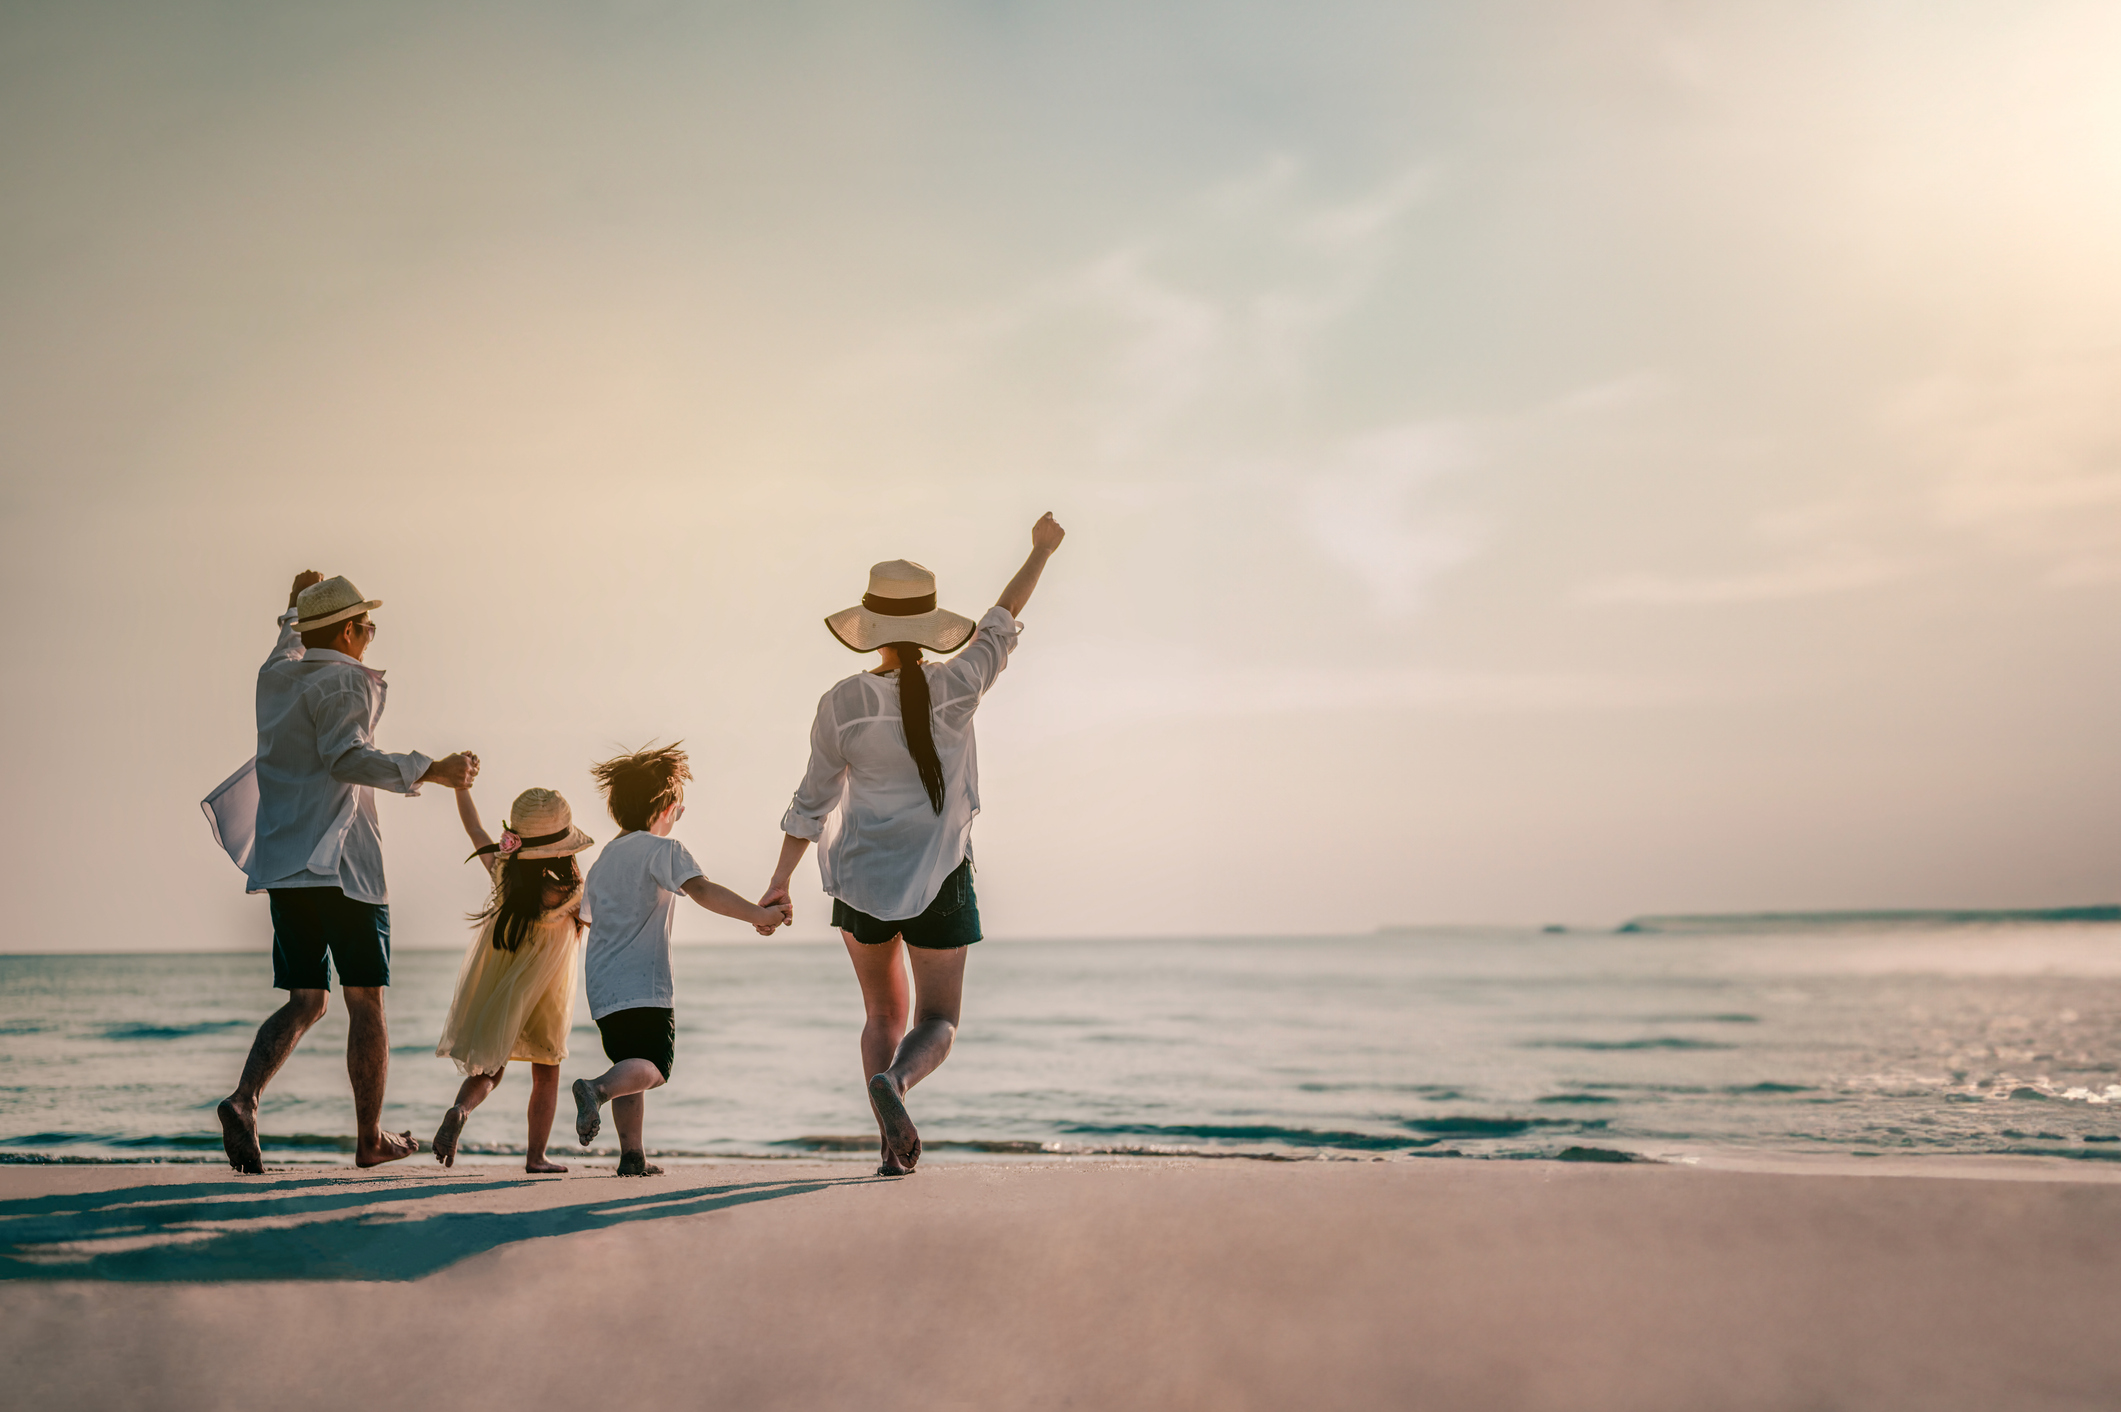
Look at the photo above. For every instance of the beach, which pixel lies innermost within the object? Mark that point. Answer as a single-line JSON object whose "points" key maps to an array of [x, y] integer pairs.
{"points": [[1164, 1283]]}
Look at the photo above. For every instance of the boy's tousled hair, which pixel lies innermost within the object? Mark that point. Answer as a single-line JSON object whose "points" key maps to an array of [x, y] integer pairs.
{"points": [[639, 786]]}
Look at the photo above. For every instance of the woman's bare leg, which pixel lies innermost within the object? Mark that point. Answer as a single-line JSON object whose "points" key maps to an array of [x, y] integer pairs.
{"points": [[544, 1101], [887, 1000], [470, 1094], [938, 995]]}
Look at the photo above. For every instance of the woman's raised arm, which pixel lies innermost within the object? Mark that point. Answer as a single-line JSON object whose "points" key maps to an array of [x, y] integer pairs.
{"points": [[1046, 536]]}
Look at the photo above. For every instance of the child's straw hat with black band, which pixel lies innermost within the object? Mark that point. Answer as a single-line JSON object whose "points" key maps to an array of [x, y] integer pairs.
{"points": [[541, 826], [900, 607]]}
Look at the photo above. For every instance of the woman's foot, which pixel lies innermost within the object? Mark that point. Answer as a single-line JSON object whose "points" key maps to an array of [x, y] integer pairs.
{"points": [[446, 1136], [902, 1141], [540, 1164], [587, 1120], [636, 1164]]}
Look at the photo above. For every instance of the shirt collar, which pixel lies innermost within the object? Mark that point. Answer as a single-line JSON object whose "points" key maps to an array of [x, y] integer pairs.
{"points": [[326, 654]]}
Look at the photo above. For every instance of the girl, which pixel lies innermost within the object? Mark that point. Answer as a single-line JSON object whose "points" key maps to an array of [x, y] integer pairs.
{"points": [[515, 993], [892, 756]]}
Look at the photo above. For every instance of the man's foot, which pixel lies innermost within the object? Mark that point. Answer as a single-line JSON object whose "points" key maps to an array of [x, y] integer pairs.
{"points": [[388, 1147], [901, 1139], [541, 1164], [587, 1121], [446, 1136], [636, 1164], [239, 1137]]}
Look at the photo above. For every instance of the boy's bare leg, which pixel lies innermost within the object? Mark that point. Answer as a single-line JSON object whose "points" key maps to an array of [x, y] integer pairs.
{"points": [[622, 1086], [470, 1094], [544, 1099], [368, 1065], [887, 1000], [277, 1038], [628, 1076]]}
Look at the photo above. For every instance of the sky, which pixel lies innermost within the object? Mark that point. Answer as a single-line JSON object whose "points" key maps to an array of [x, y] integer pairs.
{"points": [[1522, 463]]}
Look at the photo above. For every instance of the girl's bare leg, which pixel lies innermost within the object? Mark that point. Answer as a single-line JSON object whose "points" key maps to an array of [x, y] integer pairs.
{"points": [[544, 1100], [470, 1094], [887, 1000]]}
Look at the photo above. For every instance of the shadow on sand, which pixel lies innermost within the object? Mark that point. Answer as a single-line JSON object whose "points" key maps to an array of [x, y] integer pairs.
{"points": [[179, 1232]]}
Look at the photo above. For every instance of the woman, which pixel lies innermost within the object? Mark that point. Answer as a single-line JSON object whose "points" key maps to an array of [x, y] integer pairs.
{"points": [[891, 792]]}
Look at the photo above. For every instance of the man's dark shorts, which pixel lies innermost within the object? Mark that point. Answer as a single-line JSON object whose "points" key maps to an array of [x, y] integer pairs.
{"points": [[649, 1032], [949, 922], [309, 923]]}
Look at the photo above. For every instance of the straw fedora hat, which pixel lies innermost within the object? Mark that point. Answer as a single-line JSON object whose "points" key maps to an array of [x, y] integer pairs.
{"points": [[540, 825], [332, 601], [900, 607]]}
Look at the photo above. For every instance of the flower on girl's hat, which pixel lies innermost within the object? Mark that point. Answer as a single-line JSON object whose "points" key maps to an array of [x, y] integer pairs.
{"points": [[509, 842]]}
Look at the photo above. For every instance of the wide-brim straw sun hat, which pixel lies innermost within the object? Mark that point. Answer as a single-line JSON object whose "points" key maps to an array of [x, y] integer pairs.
{"points": [[540, 825], [900, 607], [332, 601]]}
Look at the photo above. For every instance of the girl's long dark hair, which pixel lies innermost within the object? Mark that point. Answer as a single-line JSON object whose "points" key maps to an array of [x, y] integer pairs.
{"points": [[519, 896], [920, 726]]}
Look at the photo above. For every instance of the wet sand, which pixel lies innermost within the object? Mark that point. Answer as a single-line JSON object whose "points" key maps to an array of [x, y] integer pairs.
{"points": [[1106, 1284]]}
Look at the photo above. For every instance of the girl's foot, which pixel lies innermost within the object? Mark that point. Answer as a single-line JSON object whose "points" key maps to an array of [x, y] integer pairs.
{"points": [[636, 1164], [587, 1121], [901, 1138], [541, 1164], [446, 1136]]}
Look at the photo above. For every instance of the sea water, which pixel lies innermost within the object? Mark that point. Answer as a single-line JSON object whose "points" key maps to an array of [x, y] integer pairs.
{"points": [[1476, 1043]]}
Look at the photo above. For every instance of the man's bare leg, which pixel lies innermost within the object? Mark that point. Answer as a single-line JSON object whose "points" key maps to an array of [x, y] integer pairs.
{"points": [[544, 1099], [368, 1065], [887, 1000], [277, 1039], [470, 1094], [938, 996]]}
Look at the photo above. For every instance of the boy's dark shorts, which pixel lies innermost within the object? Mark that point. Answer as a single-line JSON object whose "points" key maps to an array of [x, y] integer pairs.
{"points": [[949, 922], [649, 1032], [311, 923]]}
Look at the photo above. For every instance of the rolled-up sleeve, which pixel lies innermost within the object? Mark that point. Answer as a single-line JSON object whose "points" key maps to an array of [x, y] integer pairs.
{"points": [[350, 753], [819, 793], [289, 647], [988, 652]]}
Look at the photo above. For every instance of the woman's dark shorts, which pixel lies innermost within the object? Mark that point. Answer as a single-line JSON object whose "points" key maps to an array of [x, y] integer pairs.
{"points": [[309, 923], [951, 921], [650, 1032]]}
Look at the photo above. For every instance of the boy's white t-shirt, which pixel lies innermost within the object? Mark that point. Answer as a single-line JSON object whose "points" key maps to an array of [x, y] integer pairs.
{"points": [[629, 899]]}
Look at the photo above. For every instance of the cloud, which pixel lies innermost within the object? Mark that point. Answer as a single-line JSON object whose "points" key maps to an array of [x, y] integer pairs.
{"points": [[1368, 511]]}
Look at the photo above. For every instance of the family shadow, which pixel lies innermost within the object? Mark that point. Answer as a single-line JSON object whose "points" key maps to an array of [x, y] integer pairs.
{"points": [[168, 1234]]}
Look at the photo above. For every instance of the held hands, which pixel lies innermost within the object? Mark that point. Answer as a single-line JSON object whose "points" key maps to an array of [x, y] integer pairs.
{"points": [[777, 903], [302, 580], [773, 918], [456, 771], [1046, 535]]}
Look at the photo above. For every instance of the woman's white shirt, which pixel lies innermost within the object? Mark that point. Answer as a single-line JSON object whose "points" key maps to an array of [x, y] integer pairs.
{"points": [[882, 847]]}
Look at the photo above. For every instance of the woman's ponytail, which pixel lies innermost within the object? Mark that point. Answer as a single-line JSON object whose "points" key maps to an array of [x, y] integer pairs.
{"points": [[920, 727]]}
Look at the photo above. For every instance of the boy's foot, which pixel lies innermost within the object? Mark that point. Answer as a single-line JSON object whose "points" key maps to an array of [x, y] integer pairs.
{"points": [[446, 1136], [587, 1121], [636, 1164], [388, 1147], [540, 1164], [900, 1136], [239, 1137], [887, 1165]]}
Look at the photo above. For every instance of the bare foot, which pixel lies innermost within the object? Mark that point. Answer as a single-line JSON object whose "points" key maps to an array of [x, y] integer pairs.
{"points": [[636, 1164], [889, 1166], [239, 1137], [900, 1136], [540, 1164], [587, 1121], [389, 1147], [446, 1136]]}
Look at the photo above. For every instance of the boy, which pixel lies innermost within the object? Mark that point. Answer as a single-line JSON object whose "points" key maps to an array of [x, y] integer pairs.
{"points": [[629, 899]]}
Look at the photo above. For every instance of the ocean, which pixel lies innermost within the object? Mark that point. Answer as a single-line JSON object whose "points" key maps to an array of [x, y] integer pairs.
{"points": [[1838, 1040]]}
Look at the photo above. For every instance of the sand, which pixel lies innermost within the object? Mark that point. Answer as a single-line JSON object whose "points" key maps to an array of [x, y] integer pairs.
{"points": [[1087, 1284]]}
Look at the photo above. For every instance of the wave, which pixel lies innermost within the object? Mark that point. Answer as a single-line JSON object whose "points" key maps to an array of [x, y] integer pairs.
{"points": [[1661, 1042], [141, 1031]]}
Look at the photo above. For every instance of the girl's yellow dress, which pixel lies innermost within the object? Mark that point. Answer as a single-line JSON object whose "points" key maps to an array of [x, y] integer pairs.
{"points": [[516, 1004]]}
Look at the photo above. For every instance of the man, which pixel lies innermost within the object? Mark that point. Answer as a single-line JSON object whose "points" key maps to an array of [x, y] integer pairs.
{"points": [[319, 854]]}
